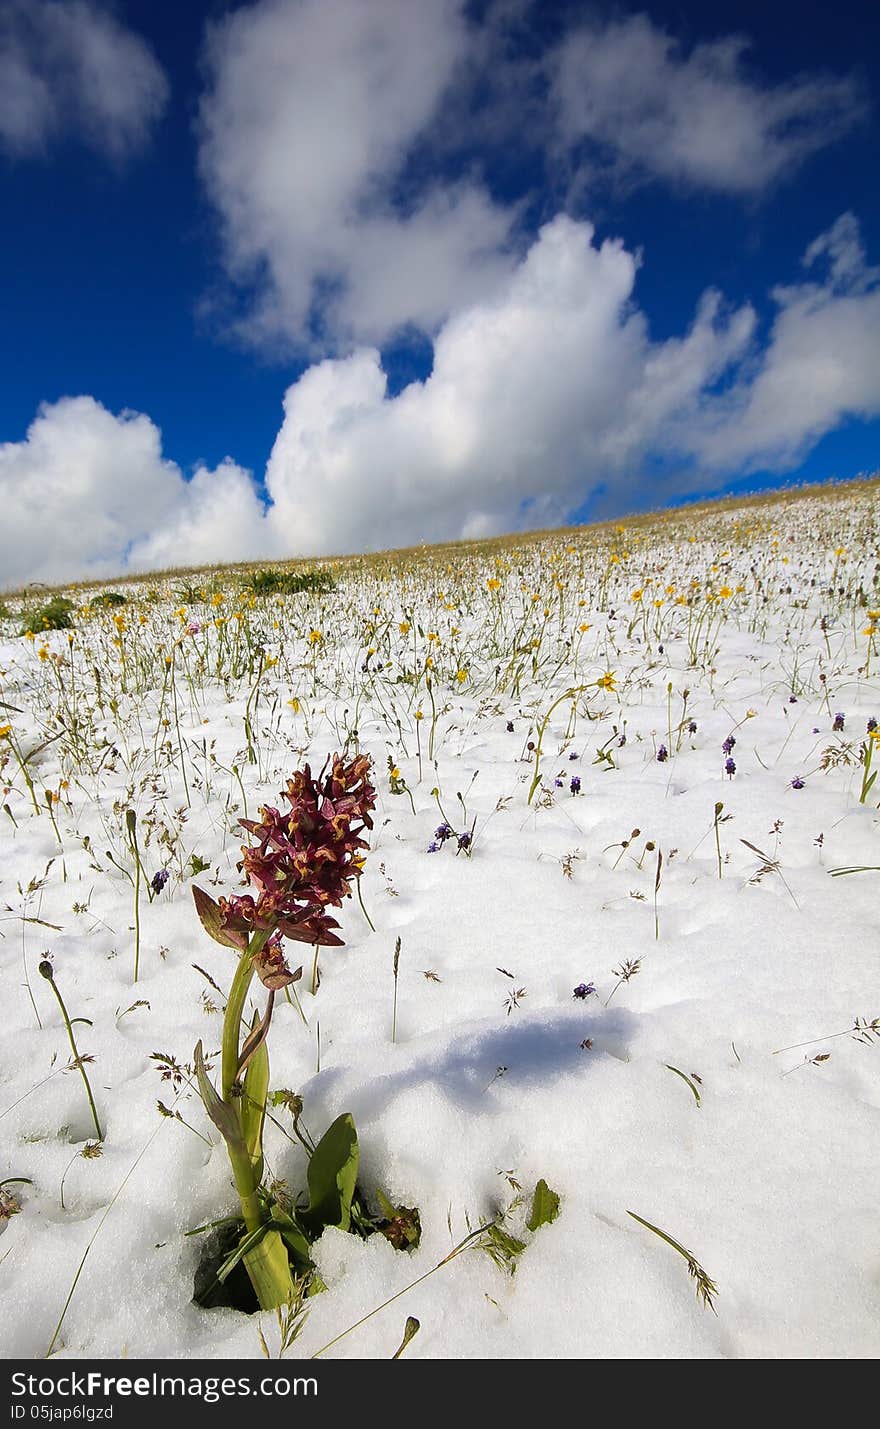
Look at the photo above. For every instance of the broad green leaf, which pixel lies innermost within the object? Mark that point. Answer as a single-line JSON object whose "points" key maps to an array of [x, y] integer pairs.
{"points": [[332, 1176], [254, 1091], [268, 1265], [223, 1116], [545, 1206]]}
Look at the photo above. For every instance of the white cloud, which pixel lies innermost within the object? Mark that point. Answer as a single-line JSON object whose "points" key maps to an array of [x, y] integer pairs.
{"points": [[313, 110], [87, 493], [69, 67], [339, 143], [699, 118], [821, 365], [545, 394], [536, 397]]}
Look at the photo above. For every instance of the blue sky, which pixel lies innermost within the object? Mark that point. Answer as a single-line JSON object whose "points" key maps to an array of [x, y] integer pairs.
{"points": [[467, 246]]}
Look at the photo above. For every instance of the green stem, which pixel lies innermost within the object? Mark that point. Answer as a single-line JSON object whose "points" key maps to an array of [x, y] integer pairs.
{"points": [[267, 1263], [76, 1057], [361, 898], [235, 1011], [137, 918]]}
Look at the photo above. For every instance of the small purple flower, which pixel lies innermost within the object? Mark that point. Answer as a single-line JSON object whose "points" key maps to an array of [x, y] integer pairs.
{"points": [[837, 726], [815, 731], [792, 699], [730, 768], [193, 628], [433, 847], [443, 833], [797, 782], [510, 726], [572, 756], [872, 725], [584, 990], [559, 783], [464, 842], [621, 742], [692, 727], [158, 881], [662, 754], [728, 744], [575, 785]]}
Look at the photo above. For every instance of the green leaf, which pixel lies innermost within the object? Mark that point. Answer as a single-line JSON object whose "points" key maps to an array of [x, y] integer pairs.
{"points": [[503, 1248], [388, 1210], [254, 1091], [211, 920], [332, 1176], [545, 1206], [247, 1243], [685, 1078], [293, 1235], [223, 1116], [212, 1225]]}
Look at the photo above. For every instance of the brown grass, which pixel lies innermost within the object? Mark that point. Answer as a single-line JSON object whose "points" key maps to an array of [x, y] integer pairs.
{"points": [[599, 531]]}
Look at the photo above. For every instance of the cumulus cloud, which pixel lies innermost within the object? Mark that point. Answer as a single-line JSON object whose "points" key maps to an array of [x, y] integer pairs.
{"points": [[542, 396], [69, 67], [340, 145], [820, 366], [536, 396], [89, 493], [554, 390], [312, 114], [627, 88]]}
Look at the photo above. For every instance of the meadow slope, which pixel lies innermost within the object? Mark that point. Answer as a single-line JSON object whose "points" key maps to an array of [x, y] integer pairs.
{"points": [[616, 770]]}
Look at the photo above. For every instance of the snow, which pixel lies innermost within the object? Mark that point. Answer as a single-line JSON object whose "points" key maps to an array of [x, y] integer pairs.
{"points": [[769, 1181]]}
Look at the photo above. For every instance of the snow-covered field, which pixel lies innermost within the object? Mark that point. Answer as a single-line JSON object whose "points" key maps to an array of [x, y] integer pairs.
{"points": [[706, 1074]]}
